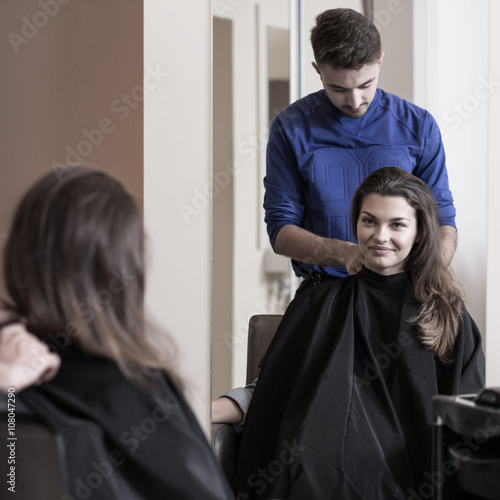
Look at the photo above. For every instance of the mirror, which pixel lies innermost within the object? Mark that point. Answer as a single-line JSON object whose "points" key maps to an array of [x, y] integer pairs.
{"points": [[251, 83], [422, 45]]}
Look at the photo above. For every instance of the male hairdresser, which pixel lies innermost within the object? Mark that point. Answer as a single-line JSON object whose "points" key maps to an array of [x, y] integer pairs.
{"points": [[322, 146]]}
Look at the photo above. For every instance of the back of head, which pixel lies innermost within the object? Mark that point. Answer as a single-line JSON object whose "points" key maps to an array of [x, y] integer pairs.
{"points": [[345, 39], [74, 265]]}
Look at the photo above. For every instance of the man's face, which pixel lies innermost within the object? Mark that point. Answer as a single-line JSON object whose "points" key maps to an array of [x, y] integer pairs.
{"points": [[351, 91]]}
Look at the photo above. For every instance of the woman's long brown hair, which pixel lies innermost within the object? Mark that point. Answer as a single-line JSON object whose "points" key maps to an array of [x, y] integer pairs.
{"points": [[435, 290], [74, 269]]}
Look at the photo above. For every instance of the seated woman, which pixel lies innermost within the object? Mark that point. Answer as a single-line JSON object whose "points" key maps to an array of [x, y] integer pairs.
{"points": [[342, 407], [74, 269]]}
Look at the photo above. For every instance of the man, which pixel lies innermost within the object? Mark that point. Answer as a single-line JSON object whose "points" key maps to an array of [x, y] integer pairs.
{"points": [[322, 146]]}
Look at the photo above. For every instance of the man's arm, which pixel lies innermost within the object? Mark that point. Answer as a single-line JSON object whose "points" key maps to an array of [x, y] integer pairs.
{"points": [[304, 246], [448, 243]]}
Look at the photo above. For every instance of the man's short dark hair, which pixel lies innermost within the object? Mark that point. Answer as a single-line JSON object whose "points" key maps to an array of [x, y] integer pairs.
{"points": [[345, 39]]}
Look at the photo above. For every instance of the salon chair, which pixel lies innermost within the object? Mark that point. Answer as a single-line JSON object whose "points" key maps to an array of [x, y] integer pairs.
{"points": [[466, 447], [33, 454], [225, 440]]}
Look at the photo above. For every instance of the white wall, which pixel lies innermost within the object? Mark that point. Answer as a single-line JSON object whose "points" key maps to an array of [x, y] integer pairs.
{"points": [[251, 291], [451, 54], [177, 152], [493, 262], [170, 154], [394, 20]]}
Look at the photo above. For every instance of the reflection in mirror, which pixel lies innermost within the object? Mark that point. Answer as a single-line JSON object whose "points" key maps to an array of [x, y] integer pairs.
{"points": [[248, 40], [423, 48], [278, 70], [222, 208], [251, 83]]}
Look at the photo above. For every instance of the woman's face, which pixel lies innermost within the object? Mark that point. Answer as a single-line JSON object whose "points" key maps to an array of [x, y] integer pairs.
{"points": [[387, 230]]}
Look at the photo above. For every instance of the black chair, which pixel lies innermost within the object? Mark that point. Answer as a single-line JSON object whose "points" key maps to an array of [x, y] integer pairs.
{"points": [[466, 448], [225, 440], [30, 459]]}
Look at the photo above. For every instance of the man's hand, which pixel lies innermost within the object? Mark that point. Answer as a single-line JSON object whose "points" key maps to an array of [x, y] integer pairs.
{"points": [[24, 360], [353, 259]]}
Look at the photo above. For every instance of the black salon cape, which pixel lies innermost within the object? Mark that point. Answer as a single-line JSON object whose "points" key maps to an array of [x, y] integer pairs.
{"points": [[120, 442], [342, 408]]}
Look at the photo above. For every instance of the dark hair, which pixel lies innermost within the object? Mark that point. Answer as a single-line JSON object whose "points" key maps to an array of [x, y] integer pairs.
{"points": [[345, 39], [438, 294], [74, 267]]}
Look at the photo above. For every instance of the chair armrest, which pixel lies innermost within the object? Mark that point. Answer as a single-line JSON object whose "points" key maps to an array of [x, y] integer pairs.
{"points": [[225, 443]]}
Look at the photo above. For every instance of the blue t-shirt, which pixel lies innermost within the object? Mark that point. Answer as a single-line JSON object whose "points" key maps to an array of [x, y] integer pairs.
{"points": [[317, 157]]}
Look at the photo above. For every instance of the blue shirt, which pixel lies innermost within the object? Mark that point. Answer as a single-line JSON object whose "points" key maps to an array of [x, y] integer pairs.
{"points": [[317, 157]]}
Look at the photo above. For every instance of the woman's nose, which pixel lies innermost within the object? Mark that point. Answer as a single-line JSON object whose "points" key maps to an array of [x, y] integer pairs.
{"points": [[381, 234]]}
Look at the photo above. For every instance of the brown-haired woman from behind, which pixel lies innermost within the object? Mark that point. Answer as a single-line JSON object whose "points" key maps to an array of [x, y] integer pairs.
{"points": [[75, 271]]}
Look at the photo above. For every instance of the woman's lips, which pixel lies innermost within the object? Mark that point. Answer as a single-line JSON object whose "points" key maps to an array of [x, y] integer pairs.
{"points": [[381, 250]]}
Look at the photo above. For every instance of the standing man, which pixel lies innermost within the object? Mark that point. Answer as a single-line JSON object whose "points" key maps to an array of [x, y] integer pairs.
{"points": [[322, 146]]}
